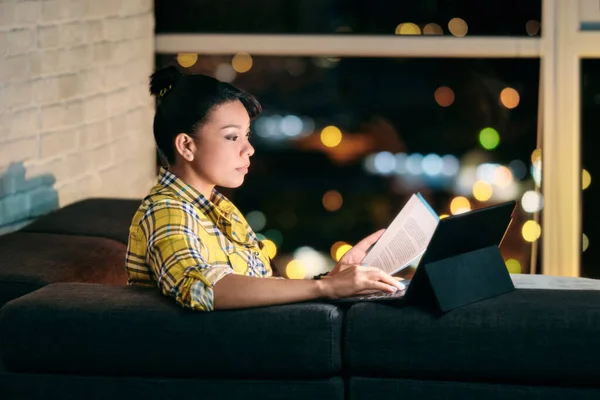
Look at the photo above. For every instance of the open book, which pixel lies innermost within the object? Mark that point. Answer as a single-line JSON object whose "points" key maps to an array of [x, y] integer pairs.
{"points": [[406, 239]]}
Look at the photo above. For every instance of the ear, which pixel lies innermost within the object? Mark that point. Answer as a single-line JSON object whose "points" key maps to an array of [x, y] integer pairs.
{"points": [[185, 146]]}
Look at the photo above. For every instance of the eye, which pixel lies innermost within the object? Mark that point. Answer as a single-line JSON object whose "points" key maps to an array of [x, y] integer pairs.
{"points": [[233, 138], [249, 135]]}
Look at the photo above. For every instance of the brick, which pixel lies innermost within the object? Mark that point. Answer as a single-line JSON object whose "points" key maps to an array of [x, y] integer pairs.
{"points": [[44, 63], [102, 157], [3, 43], [8, 12], [53, 11], [102, 53], [52, 117], [112, 29], [117, 103], [73, 34], [19, 95], [14, 69], [114, 78], [91, 83], [94, 109], [131, 27], [75, 60], [76, 9], [146, 25], [104, 8], [82, 57], [28, 12], [45, 90], [93, 135], [74, 113], [21, 41], [58, 143], [68, 86], [24, 124], [95, 31], [48, 36], [117, 126], [18, 150]]}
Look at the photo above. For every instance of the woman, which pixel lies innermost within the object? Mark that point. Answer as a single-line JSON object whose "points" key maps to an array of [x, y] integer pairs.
{"points": [[193, 243]]}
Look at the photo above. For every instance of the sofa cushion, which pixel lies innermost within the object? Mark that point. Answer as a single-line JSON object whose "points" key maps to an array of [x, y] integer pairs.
{"points": [[108, 218], [94, 329], [32, 260], [526, 336]]}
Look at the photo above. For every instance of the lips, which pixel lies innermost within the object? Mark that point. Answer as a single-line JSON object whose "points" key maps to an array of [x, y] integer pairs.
{"points": [[243, 168]]}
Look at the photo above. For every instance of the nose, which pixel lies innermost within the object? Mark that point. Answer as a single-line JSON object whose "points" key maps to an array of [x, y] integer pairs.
{"points": [[248, 150]]}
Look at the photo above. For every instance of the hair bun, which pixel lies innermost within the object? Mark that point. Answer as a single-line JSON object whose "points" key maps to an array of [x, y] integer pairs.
{"points": [[164, 79]]}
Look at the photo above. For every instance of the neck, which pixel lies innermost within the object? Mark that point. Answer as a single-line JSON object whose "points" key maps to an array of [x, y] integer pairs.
{"points": [[189, 176]]}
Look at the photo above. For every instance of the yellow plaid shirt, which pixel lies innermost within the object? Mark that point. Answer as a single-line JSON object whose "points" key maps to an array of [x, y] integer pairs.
{"points": [[184, 243]]}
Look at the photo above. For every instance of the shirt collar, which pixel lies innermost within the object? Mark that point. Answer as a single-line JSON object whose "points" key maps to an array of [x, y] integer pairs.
{"points": [[218, 208]]}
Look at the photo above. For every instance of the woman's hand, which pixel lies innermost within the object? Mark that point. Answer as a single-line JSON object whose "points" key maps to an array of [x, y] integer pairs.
{"points": [[357, 253], [354, 279]]}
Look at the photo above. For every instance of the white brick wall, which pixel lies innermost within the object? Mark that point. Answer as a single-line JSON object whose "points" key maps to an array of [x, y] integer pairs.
{"points": [[74, 96]]}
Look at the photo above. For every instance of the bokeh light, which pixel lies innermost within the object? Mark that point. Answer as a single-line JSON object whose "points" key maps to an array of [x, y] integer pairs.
{"points": [[460, 205], [585, 242], [458, 27], [532, 27], [341, 250], [332, 200], [295, 270], [408, 28], [187, 60], [482, 190], [502, 176], [257, 220], [331, 136], [531, 231], [509, 98], [432, 29], [532, 201], [513, 266], [489, 138], [586, 179], [444, 96], [241, 62]]}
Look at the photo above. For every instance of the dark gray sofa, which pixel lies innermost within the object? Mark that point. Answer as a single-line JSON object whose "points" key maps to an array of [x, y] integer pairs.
{"points": [[71, 329]]}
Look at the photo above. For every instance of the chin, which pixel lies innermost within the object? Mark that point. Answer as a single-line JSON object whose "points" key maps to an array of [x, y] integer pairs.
{"points": [[232, 183]]}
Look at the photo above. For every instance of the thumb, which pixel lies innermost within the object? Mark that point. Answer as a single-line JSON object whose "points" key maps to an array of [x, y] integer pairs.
{"points": [[367, 242]]}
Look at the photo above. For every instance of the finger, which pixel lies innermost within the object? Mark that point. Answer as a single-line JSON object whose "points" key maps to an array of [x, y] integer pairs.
{"points": [[377, 285], [377, 274], [364, 244]]}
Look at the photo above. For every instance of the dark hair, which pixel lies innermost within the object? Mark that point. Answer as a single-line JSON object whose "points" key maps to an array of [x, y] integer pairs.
{"points": [[185, 101]]}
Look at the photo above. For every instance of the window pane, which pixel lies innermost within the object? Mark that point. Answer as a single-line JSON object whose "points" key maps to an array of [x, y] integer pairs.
{"points": [[379, 17], [444, 127], [591, 165]]}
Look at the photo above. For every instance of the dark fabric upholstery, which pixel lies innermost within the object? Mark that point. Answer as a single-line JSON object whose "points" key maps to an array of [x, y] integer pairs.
{"points": [[532, 336], [31, 260], [377, 388], [108, 218], [112, 330], [69, 387]]}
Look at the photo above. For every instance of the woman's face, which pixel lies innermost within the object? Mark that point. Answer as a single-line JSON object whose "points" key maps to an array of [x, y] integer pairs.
{"points": [[221, 150]]}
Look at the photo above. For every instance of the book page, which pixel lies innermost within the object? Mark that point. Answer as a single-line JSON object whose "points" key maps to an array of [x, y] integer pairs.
{"points": [[406, 238]]}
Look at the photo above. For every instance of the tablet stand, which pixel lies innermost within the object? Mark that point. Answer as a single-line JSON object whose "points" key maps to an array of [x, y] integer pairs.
{"points": [[448, 283]]}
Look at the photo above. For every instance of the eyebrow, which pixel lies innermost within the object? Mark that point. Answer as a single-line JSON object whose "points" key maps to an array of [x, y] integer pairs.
{"points": [[231, 126]]}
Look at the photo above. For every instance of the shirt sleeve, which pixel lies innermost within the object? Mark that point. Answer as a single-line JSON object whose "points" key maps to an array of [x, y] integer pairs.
{"points": [[177, 256]]}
